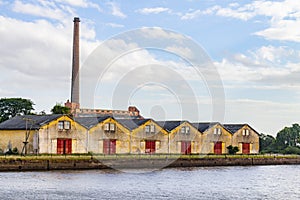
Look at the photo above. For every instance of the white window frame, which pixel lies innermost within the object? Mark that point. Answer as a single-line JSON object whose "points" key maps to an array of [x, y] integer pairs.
{"points": [[67, 125], [217, 131], [182, 130], [187, 130], [60, 125], [112, 127], [147, 129], [152, 128]]}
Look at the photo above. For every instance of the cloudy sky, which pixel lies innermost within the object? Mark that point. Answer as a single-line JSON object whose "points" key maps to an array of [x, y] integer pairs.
{"points": [[254, 48]]}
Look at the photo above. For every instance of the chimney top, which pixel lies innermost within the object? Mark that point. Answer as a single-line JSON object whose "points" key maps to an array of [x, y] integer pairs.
{"points": [[76, 19]]}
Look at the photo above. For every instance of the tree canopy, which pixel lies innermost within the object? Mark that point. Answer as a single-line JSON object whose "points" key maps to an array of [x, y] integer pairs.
{"points": [[10, 107], [287, 141], [59, 109]]}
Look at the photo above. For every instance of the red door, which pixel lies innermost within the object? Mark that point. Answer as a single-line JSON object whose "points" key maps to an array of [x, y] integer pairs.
{"points": [[218, 148], [64, 146], [150, 146], [109, 146], [186, 147], [246, 148]]}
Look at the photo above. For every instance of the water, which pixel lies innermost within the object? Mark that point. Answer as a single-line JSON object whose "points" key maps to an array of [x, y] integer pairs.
{"points": [[256, 182]]}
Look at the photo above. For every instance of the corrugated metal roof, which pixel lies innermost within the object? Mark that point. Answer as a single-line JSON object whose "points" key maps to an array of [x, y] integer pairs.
{"points": [[27, 122]]}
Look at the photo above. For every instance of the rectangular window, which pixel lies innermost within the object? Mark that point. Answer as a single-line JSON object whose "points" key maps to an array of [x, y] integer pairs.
{"points": [[60, 125], [147, 129], [245, 132], [106, 127], [109, 127], [217, 131], [152, 129], [183, 130], [187, 130], [67, 125], [112, 127]]}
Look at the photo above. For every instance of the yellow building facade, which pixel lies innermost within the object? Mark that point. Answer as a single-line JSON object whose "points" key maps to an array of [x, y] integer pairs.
{"points": [[61, 134]]}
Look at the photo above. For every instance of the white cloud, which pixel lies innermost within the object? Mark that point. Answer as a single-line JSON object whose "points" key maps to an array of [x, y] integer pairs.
{"points": [[50, 11], [36, 59], [81, 3], [155, 10], [268, 67], [116, 10], [114, 25], [283, 17], [264, 116]]}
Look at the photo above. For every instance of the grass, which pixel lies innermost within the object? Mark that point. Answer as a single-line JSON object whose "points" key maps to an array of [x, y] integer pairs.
{"points": [[140, 156]]}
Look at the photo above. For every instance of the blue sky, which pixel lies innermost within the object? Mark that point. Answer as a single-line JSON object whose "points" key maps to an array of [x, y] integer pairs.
{"points": [[253, 45]]}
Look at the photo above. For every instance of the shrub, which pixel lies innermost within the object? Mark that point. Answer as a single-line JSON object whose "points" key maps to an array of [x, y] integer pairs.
{"points": [[232, 149]]}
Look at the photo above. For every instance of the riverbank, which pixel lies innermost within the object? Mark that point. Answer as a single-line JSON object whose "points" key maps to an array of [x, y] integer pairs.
{"points": [[85, 162]]}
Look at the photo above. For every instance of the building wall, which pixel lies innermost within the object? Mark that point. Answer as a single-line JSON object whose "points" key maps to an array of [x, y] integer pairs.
{"points": [[209, 139], [16, 138], [139, 138], [176, 137], [48, 135], [97, 135], [253, 138]]}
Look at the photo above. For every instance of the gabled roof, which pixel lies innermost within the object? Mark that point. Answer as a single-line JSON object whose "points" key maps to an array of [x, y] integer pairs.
{"points": [[132, 124], [169, 125], [203, 126], [28, 122], [89, 122], [233, 127]]}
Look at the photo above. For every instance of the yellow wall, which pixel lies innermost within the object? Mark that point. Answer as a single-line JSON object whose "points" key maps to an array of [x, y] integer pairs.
{"points": [[16, 138], [253, 139], [139, 137], [97, 135], [176, 137], [49, 133], [209, 139]]}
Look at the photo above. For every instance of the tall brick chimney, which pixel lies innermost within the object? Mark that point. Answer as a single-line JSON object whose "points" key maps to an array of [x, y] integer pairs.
{"points": [[75, 63]]}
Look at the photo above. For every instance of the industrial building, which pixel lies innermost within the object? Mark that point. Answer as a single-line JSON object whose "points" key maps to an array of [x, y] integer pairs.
{"points": [[103, 131]]}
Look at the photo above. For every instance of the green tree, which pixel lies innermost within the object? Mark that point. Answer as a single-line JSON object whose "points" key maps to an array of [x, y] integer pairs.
{"points": [[267, 143], [59, 109], [289, 136], [10, 107]]}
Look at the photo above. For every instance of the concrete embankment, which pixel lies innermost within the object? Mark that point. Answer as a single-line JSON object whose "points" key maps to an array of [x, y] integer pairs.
{"points": [[45, 164]]}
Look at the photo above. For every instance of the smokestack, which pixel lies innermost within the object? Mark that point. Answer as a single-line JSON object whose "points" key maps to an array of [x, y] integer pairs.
{"points": [[75, 63]]}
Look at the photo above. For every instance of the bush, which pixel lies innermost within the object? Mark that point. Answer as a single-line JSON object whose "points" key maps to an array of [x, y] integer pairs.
{"points": [[291, 150], [232, 150]]}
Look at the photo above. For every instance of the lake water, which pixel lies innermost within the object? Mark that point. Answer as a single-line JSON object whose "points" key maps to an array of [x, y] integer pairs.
{"points": [[255, 182]]}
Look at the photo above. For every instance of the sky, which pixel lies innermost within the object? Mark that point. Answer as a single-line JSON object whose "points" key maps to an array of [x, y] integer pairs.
{"points": [[198, 60]]}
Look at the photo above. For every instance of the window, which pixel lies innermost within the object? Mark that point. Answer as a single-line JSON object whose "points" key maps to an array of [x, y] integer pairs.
{"points": [[112, 127], [60, 125], [67, 125], [150, 128], [217, 131], [185, 130], [64, 125], [109, 127], [147, 129], [245, 132]]}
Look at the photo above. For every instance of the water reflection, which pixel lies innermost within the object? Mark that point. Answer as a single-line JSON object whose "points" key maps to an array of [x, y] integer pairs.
{"points": [[257, 182]]}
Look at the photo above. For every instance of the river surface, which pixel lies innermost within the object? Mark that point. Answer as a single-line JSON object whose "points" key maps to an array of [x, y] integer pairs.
{"points": [[255, 182]]}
